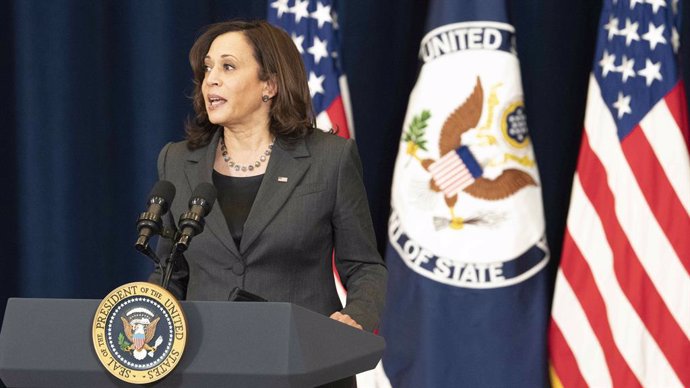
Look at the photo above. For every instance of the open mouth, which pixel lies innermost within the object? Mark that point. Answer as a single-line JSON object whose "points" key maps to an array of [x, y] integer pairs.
{"points": [[215, 101]]}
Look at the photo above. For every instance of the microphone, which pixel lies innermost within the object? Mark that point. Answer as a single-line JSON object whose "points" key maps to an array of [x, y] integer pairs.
{"points": [[149, 222], [192, 222]]}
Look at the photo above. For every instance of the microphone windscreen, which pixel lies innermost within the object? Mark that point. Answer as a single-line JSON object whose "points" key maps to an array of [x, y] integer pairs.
{"points": [[165, 190], [207, 192]]}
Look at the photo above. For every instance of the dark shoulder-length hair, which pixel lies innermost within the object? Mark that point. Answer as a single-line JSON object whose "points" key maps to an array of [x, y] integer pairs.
{"points": [[291, 115]]}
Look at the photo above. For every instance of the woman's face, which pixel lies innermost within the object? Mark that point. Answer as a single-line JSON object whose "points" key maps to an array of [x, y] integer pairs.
{"points": [[231, 88]]}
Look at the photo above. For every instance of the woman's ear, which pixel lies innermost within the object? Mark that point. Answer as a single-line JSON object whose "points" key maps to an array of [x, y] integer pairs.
{"points": [[271, 87]]}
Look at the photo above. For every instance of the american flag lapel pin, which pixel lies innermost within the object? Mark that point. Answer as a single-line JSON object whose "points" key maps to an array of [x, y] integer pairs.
{"points": [[282, 179]]}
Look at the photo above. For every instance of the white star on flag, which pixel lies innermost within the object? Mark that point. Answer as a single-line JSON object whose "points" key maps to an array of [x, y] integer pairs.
{"points": [[656, 4], [612, 27], [626, 68], [318, 50], [322, 14], [299, 42], [633, 3], [622, 105], [651, 72], [300, 10], [630, 32], [607, 63], [281, 6], [315, 83], [654, 35]]}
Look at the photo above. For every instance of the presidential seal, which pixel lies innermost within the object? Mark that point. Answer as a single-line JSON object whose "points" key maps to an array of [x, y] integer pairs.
{"points": [[139, 332]]}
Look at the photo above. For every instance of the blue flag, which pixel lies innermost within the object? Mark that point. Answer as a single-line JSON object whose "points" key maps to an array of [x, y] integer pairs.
{"points": [[468, 290]]}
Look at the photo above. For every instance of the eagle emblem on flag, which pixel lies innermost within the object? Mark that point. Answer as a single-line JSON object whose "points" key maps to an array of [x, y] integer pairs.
{"points": [[458, 169]]}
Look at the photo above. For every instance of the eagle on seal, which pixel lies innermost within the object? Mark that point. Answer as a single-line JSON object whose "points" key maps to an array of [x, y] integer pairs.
{"points": [[140, 333], [464, 118]]}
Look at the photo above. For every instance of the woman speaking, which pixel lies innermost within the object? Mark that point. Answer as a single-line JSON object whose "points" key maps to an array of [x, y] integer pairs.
{"points": [[289, 195]]}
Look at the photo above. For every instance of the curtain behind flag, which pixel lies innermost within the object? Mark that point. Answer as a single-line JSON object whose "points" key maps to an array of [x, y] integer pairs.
{"points": [[314, 29], [467, 291], [621, 311]]}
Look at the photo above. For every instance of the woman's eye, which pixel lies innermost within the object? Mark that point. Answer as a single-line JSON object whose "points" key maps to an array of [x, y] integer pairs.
{"points": [[206, 68], [228, 67]]}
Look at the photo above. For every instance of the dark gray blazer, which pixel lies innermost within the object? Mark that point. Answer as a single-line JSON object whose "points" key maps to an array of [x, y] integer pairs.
{"points": [[311, 201]]}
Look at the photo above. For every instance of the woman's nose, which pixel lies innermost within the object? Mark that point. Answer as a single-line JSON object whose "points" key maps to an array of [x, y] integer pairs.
{"points": [[212, 78]]}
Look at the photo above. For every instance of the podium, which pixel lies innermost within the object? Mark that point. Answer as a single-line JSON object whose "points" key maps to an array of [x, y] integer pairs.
{"points": [[47, 343]]}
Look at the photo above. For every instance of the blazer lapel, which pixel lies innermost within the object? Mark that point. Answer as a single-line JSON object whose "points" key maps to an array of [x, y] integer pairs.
{"points": [[198, 169], [287, 166]]}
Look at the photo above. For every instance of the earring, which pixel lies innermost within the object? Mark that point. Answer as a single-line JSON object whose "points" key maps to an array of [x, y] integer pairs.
{"points": [[265, 98]]}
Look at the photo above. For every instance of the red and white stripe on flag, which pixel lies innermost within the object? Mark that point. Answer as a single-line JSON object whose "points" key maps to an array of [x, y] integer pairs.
{"points": [[621, 309], [338, 114], [451, 174]]}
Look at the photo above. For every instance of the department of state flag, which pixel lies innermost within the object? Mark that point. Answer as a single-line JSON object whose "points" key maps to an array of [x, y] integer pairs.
{"points": [[467, 292], [621, 309], [313, 26]]}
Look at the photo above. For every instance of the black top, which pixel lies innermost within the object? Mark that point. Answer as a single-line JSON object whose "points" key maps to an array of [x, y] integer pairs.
{"points": [[235, 197]]}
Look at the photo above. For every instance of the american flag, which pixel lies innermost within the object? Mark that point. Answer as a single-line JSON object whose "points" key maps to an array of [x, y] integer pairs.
{"points": [[621, 310], [455, 171], [313, 26]]}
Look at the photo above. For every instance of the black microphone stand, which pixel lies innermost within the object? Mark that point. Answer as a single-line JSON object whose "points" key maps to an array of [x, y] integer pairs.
{"points": [[190, 224], [166, 266], [175, 254]]}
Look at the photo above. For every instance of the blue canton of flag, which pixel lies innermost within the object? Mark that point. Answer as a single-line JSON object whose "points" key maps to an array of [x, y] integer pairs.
{"points": [[630, 67], [313, 27]]}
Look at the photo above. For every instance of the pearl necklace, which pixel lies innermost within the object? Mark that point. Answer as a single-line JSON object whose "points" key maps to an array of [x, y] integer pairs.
{"points": [[232, 165]]}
